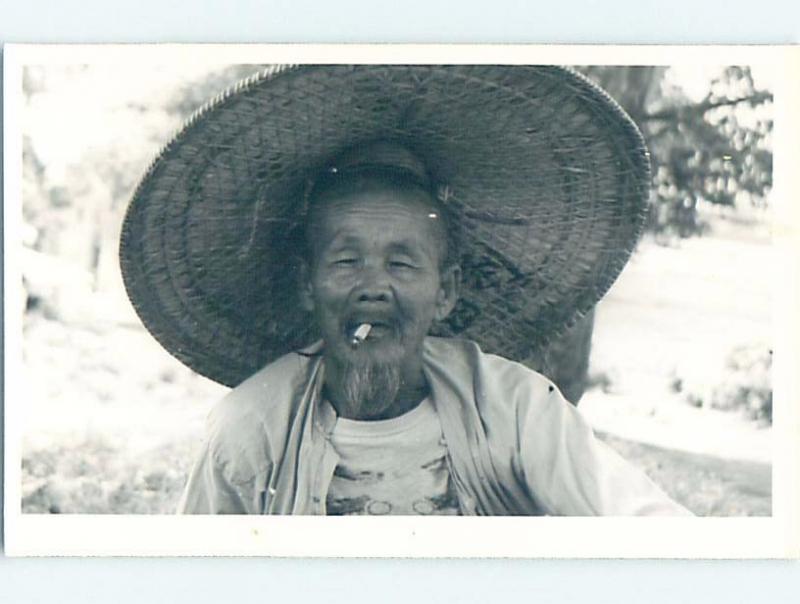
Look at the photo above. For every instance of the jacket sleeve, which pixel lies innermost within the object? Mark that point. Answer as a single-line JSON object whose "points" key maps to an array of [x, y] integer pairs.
{"points": [[209, 491], [231, 473], [571, 472]]}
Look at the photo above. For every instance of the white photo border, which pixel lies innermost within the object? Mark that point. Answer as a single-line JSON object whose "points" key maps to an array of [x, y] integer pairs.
{"points": [[777, 536]]}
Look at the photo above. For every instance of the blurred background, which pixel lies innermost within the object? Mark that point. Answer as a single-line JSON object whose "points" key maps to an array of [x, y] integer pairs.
{"points": [[672, 369]]}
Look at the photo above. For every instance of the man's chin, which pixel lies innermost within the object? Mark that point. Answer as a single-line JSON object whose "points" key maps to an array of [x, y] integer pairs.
{"points": [[370, 385]]}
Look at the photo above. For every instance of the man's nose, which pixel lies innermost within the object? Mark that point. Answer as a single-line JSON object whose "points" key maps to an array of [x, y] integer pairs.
{"points": [[374, 285]]}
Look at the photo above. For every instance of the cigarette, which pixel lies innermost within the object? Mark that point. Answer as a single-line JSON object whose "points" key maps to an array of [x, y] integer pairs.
{"points": [[360, 334]]}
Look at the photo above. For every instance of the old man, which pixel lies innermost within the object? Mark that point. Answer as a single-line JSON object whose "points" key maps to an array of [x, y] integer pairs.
{"points": [[494, 204]]}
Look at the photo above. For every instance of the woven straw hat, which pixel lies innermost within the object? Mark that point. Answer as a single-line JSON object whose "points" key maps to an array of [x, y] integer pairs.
{"points": [[547, 174]]}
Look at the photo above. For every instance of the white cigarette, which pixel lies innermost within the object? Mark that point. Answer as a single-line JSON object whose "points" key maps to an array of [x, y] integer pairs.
{"points": [[361, 334]]}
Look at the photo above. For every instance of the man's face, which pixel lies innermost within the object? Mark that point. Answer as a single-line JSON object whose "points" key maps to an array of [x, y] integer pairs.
{"points": [[376, 259]]}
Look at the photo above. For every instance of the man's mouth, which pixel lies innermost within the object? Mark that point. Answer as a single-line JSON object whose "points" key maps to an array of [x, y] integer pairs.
{"points": [[368, 329], [360, 334]]}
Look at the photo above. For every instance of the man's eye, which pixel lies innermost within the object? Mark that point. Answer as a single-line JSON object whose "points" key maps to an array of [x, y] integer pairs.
{"points": [[345, 262], [401, 264]]}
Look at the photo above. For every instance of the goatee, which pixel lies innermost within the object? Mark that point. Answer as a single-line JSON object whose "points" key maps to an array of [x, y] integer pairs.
{"points": [[369, 386]]}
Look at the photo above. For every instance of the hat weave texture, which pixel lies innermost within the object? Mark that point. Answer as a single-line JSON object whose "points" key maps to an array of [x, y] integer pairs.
{"points": [[548, 176]]}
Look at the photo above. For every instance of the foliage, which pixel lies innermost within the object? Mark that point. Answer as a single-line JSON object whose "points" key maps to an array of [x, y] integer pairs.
{"points": [[748, 385], [73, 207], [95, 477], [716, 150], [189, 97], [745, 385]]}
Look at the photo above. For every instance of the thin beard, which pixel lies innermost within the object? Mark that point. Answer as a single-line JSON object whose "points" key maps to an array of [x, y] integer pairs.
{"points": [[370, 386]]}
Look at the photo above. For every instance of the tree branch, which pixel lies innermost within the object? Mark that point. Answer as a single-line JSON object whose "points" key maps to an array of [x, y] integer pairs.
{"points": [[702, 107]]}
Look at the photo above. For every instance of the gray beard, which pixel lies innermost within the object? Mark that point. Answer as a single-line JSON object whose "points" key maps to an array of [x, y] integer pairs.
{"points": [[370, 387]]}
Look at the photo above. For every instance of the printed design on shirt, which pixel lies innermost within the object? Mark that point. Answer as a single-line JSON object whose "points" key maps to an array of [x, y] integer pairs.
{"points": [[444, 503], [447, 501], [436, 465], [379, 508], [364, 477], [345, 506]]}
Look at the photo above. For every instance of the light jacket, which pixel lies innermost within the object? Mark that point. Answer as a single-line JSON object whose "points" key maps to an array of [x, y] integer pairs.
{"points": [[515, 445]]}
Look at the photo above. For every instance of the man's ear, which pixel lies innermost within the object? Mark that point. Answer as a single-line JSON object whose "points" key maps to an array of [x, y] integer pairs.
{"points": [[449, 288], [304, 286]]}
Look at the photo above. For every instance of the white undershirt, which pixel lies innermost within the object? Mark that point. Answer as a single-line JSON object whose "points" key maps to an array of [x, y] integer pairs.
{"points": [[396, 466]]}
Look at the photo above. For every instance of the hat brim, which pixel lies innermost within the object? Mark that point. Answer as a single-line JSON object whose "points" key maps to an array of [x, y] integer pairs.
{"points": [[548, 174]]}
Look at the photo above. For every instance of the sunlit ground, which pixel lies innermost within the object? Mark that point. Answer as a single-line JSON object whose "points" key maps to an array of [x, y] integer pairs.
{"points": [[678, 313]]}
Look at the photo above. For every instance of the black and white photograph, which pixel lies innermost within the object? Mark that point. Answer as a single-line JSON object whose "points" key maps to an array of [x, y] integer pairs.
{"points": [[402, 288]]}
